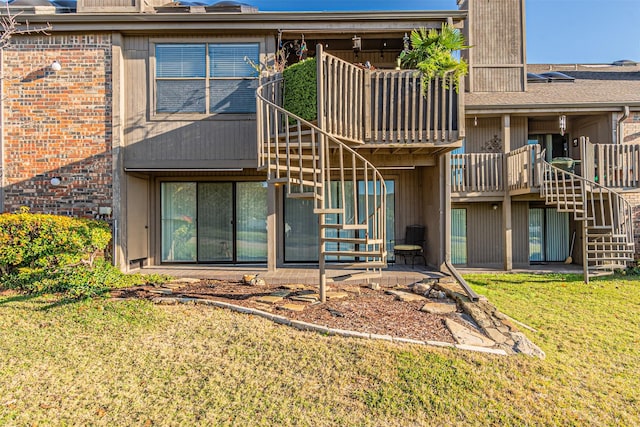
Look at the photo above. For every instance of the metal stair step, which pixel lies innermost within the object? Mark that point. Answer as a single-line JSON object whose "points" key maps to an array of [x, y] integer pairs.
{"points": [[328, 211], [376, 254], [305, 195], [346, 226], [608, 267], [352, 240], [362, 264]]}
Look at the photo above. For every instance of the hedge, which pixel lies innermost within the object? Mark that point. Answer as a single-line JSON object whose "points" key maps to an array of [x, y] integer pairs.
{"points": [[42, 253], [300, 89]]}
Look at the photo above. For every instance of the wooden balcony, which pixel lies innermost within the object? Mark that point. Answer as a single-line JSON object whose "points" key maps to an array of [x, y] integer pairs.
{"points": [[485, 174], [387, 107], [617, 165]]}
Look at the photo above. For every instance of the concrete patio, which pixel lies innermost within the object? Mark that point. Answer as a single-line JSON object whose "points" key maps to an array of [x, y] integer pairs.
{"points": [[395, 274]]}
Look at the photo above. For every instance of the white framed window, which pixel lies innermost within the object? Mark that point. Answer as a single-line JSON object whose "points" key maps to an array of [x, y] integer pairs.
{"points": [[205, 78]]}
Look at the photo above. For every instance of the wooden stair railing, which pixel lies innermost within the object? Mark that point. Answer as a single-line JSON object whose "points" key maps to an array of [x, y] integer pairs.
{"points": [[348, 192], [606, 217]]}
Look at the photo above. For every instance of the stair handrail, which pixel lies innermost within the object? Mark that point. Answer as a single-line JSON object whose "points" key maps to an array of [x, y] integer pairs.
{"points": [[623, 210], [380, 209]]}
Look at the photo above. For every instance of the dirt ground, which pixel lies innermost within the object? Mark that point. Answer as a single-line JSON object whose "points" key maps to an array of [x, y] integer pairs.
{"points": [[349, 306]]}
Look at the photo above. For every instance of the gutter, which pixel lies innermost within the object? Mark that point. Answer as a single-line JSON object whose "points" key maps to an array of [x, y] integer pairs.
{"points": [[620, 125]]}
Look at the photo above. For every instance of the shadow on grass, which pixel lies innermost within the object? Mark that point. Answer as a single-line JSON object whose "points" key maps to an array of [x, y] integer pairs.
{"points": [[484, 280], [18, 298]]}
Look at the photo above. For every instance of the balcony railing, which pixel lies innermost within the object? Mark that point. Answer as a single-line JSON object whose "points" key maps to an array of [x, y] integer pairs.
{"points": [[617, 165], [477, 172], [388, 106], [522, 167]]}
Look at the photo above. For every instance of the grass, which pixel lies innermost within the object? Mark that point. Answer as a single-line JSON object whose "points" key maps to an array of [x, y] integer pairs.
{"points": [[103, 362]]}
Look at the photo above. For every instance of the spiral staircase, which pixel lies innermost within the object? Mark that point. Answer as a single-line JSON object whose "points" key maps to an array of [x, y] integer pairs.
{"points": [[347, 191]]}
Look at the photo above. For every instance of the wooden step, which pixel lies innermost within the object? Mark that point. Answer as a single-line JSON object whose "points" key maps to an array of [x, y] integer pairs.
{"points": [[600, 273]]}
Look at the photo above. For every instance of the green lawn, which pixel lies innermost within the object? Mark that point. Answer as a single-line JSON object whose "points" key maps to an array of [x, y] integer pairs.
{"points": [[133, 363]]}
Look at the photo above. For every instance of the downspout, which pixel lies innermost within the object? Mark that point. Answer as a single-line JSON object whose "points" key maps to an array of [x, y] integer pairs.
{"points": [[619, 126]]}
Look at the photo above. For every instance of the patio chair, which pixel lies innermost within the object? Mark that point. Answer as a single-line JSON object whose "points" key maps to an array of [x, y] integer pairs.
{"points": [[412, 245]]}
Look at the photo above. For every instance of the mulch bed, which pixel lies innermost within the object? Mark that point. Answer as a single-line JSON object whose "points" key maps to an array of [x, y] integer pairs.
{"points": [[363, 310]]}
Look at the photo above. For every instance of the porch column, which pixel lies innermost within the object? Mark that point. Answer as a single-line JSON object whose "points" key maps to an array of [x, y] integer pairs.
{"points": [[272, 228], [506, 202]]}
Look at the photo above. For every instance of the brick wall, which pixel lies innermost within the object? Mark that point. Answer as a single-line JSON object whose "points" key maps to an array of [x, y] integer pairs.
{"points": [[632, 128], [57, 124]]}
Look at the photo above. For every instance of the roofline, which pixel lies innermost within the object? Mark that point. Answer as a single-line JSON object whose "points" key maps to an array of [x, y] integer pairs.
{"points": [[552, 108], [310, 21]]}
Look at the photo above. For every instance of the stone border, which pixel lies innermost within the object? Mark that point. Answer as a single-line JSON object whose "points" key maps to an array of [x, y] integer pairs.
{"points": [[305, 326]]}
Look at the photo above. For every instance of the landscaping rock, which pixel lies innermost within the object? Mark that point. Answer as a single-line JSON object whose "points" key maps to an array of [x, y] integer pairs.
{"points": [[353, 289], [496, 335], [161, 291], [291, 307], [313, 297], [293, 287], [375, 286], [281, 293], [406, 296], [337, 295], [466, 336], [258, 281], [421, 288], [523, 345], [269, 299], [439, 307]]}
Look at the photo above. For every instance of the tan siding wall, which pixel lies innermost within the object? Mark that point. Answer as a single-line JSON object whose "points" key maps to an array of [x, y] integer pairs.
{"points": [[432, 219], [417, 202], [478, 136], [519, 132], [485, 244], [597, 128], [153, 143], [520, 224]]}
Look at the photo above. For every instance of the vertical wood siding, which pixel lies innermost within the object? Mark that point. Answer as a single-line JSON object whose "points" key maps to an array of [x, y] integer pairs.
{"points": [[485, 244]]}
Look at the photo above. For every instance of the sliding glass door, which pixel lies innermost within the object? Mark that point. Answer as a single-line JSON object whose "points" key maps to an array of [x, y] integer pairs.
{"points": [[301, 224], [213, 222]]}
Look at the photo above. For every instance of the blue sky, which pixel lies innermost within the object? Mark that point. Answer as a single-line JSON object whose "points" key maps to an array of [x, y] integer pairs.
{"points": [[558, 31]]}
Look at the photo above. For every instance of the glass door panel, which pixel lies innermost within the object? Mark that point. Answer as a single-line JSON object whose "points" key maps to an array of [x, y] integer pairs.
{"points": [[459, 236], [215, 222], [251, 224], [300, 230], [178, 221], [536, 234]]}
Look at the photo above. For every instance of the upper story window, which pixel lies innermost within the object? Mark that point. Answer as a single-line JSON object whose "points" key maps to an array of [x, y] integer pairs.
{"points": [[206, 78]]}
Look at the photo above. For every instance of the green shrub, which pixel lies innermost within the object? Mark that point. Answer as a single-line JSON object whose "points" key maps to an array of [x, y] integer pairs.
{"points": [[49, 241], [300, 89], [51, 253]]}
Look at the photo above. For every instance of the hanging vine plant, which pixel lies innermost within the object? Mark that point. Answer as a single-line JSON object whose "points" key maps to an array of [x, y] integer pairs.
{"points": [[432, 53]]}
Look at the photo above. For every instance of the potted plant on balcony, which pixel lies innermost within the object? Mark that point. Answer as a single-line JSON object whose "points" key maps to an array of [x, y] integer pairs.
{"points": [[432, 53]]}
